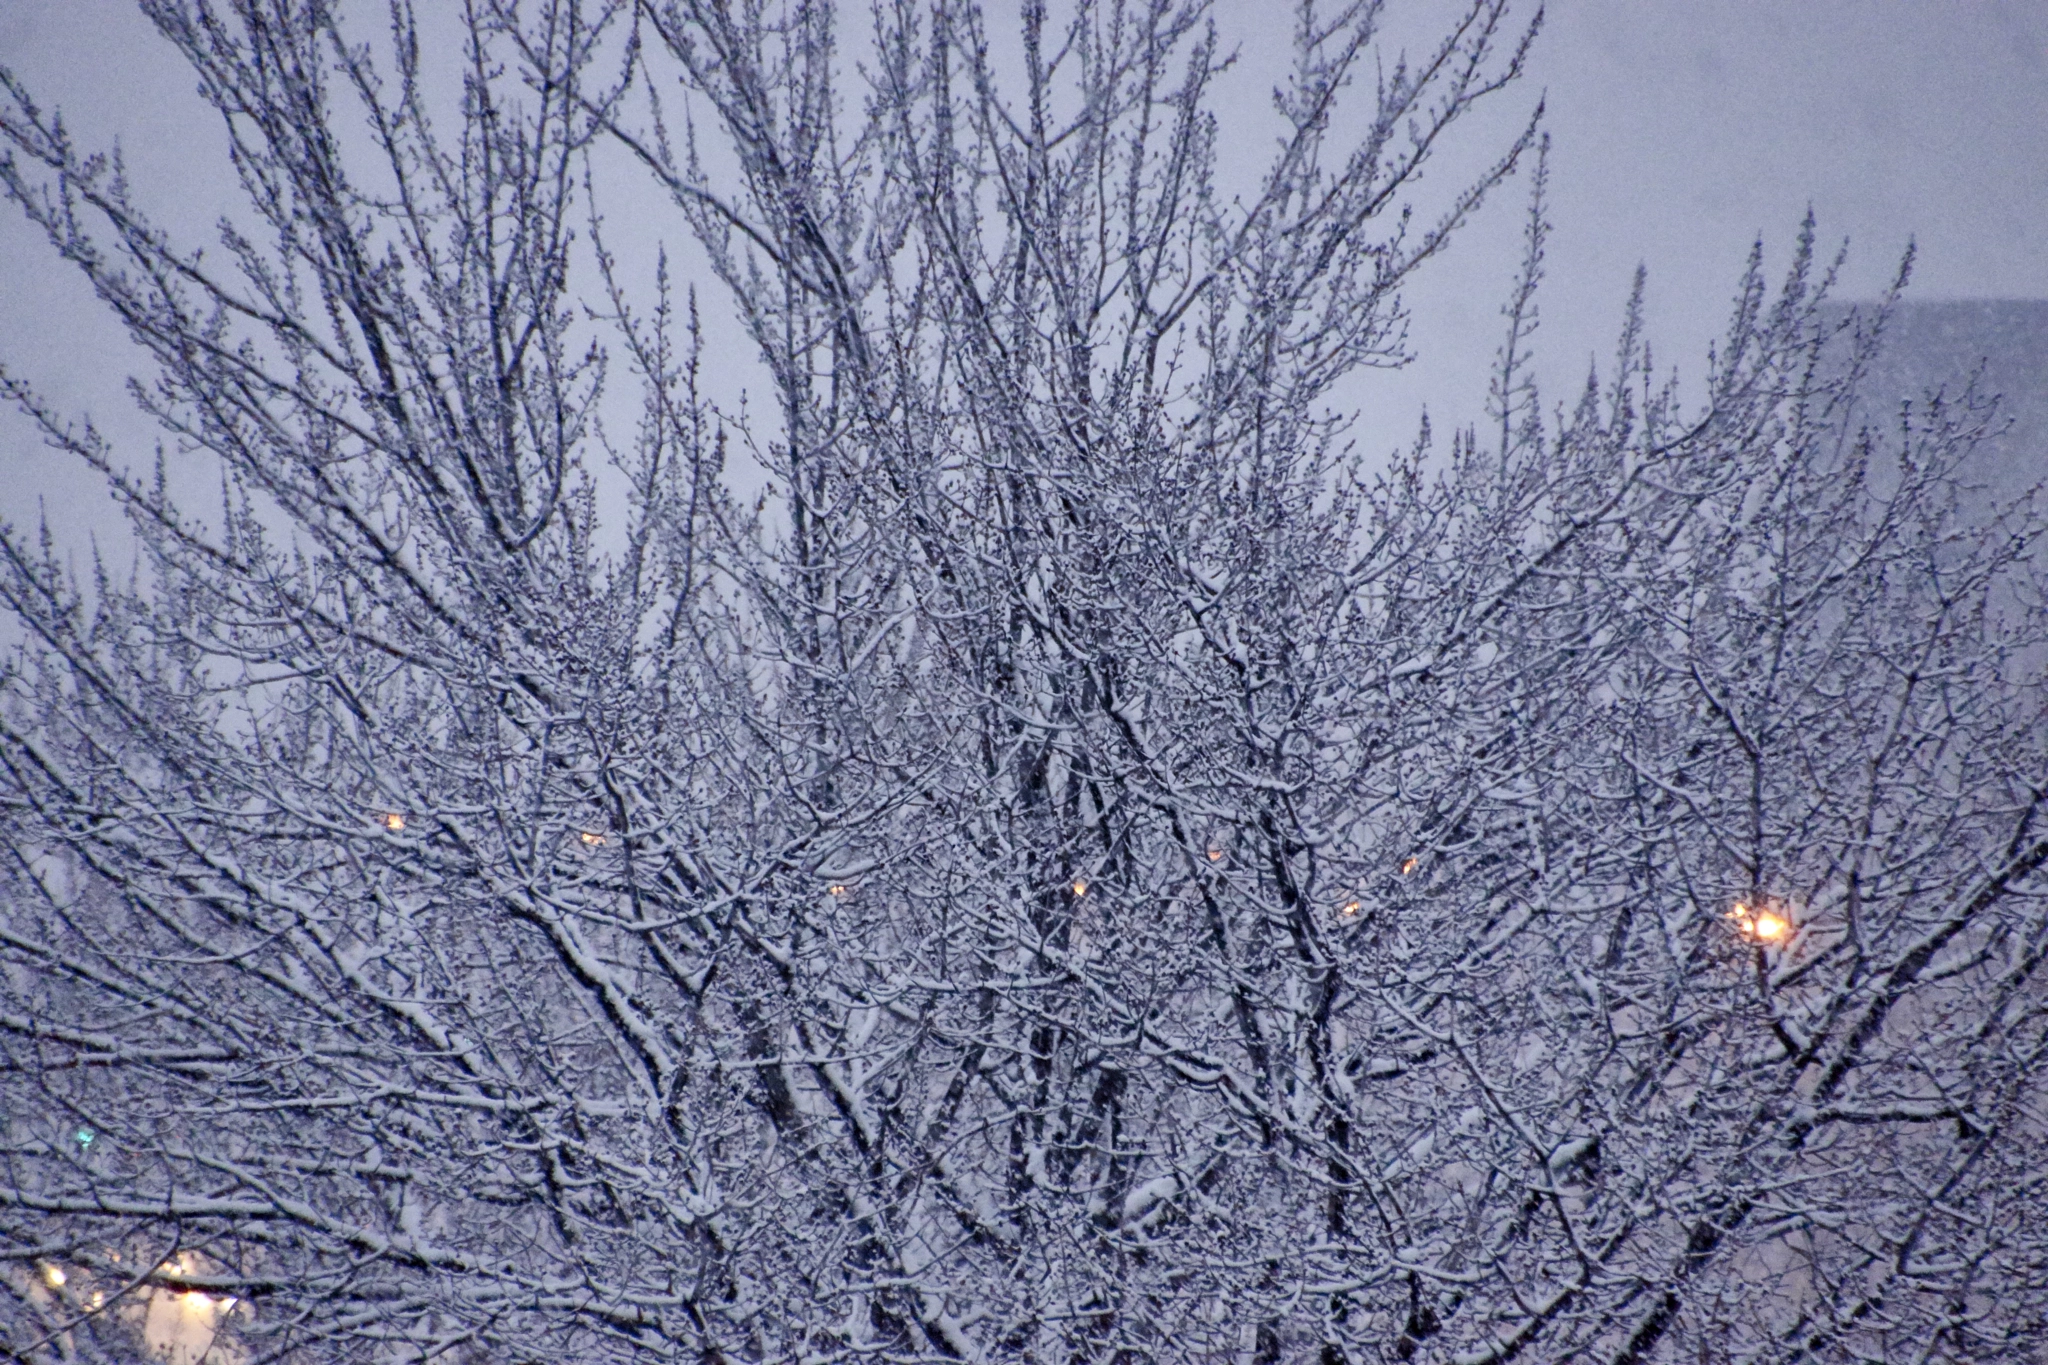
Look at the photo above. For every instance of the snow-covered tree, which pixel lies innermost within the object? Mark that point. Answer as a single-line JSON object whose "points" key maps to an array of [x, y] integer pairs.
{"points": [[1033, 846]]}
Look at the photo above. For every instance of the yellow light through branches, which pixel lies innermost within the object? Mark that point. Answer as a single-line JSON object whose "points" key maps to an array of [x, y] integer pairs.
{"points": [[1080, 887], [837, 889], [392, 821], [1759, 923], [1408, 865], [592, 839], [1350, 909], [54, 1274]]}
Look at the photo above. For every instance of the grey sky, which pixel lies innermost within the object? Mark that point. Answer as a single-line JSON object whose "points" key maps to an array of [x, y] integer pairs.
{"points": [[1681, 129], [1684, 128]]}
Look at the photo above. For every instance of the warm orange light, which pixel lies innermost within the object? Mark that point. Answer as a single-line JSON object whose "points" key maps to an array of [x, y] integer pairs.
{"points": [[1408, 865], [1350, 909], [1215, 854], [1765, 926], [592, 838], [1080, 887], [55, 1275], [836, 889], [392, 821]]}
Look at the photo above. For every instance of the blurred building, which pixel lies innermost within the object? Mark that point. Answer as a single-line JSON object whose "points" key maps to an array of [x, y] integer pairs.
{"points": [[2003, 345]]}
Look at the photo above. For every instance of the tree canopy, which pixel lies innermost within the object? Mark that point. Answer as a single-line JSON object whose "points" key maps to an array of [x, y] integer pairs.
{"points": [[1075, 857]]}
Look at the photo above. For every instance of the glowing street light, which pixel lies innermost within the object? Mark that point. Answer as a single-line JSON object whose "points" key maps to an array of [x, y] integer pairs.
{"points": [[591, 839], [837, 889], [1763, 925], [1080, 887], [54, 1276], [1350, 909], [1408, 865], [392, 821]]}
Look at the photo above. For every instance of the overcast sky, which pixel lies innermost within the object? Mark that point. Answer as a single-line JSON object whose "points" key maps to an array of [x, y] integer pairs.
{"points": [[1682, 129]]}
